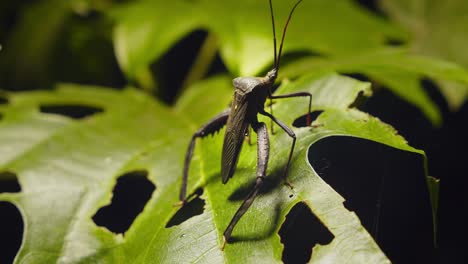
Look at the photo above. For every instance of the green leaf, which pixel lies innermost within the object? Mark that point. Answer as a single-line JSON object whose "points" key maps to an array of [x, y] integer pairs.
{"points": [[146, 29], [438, 29], [394, 68], [68, 167], [72, 165], [317, 26], [25, 58]]}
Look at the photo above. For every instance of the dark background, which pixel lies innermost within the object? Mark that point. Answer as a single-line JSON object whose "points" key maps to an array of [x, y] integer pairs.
{"points": [[403, 231]]}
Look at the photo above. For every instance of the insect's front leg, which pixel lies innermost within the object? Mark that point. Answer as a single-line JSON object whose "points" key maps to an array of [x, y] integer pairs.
{"points": [[210, 127], [299, 94], [263, 153]]}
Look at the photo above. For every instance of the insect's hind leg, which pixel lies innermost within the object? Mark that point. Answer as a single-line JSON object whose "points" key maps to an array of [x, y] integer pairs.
{"points": [[215, 124], [263, 153]]}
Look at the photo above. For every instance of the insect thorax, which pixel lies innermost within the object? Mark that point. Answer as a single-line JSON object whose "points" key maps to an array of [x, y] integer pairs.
{"points": [[245, 85]]}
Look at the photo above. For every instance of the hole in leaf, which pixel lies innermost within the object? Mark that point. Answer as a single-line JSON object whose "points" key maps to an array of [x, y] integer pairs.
{"points": [[360, 100], [302, 120], [9, 182], [414, 126], [73, 111], [300, 232], [193, 208], [358, 76], [11, 231], [130, 195], [372, 6], [386, 188], [3, 100], [394, 42], [171, 70], [217, 66]]}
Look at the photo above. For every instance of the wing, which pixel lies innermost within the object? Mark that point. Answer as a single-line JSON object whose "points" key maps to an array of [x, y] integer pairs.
{"points": [[234, 137]]}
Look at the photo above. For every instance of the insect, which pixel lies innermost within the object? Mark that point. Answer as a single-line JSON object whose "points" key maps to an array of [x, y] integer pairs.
{"points": [[248, 101]]}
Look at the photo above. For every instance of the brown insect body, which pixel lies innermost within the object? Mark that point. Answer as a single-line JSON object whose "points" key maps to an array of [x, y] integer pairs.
{"points": [[249, 99]]}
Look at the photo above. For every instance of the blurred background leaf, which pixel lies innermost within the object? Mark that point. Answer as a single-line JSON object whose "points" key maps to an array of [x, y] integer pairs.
{"points": [[53, 41], [72, 44], [438, 29]]}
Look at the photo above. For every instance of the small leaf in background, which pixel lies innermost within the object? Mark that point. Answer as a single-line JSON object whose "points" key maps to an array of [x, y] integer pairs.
{"points": [[49, 41], [25, 58]]}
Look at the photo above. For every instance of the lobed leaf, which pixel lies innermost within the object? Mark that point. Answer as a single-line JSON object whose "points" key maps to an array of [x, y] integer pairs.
{"points": [[148, 28], [67, 169], [395, 69]]}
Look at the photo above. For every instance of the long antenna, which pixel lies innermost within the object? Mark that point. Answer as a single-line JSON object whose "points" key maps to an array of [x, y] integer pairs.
{"points": [[274, 31], [284, 34]]}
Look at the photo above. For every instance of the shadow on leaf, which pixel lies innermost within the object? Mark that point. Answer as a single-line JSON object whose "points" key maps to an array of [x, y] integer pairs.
{"points": [[194, 207], [258, 235], [9, 182], [70, 110]]}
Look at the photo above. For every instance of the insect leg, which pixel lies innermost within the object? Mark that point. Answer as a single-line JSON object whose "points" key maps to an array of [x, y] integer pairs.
{"points": [[248, 136], [291, 134], [300, 94], [271, 112], [263, 152], [215, 124]]}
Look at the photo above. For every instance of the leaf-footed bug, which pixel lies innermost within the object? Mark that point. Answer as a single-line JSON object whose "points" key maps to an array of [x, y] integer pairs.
{"points": [[248, 101]]}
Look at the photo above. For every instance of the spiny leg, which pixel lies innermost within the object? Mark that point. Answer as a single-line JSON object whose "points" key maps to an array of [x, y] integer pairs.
{"points": [[263, 152], [215, 124], [271, 112], [270, 96], [299, 94], [291, 134]]}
